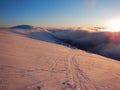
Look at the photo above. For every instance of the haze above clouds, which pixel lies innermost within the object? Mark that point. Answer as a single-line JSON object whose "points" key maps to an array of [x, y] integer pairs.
{"points": [[58, 13]]}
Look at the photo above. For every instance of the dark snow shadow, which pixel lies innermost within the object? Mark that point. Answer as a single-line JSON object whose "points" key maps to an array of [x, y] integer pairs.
{"points": [[44, 36]]}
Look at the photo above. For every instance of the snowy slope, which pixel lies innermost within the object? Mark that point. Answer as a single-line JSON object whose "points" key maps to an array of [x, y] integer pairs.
{"points": [[31, 64], [36, 33]]}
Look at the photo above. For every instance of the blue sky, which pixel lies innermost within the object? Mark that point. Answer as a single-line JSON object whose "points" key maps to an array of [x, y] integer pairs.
{"points": [[56, 13]]}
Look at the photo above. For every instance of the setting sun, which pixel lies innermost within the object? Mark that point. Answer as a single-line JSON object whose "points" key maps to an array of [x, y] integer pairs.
{"points": [[114, 25]]}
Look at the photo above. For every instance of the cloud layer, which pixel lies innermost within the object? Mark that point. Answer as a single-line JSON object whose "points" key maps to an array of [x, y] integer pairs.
{"points": [[103, 43]]}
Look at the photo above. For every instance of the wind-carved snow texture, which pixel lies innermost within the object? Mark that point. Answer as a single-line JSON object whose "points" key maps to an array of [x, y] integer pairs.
{"points": [[103, 43]]}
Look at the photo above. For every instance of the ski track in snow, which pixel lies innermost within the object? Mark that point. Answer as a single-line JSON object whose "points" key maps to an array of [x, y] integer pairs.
{"points": [[60, 72]]}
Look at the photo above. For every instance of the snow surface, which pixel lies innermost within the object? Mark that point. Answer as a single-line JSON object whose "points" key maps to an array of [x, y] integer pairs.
{"points": [[30, 64]]}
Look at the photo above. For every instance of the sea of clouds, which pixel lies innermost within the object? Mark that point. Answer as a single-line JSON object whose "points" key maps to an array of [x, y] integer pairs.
{"points": [[100, 42]]}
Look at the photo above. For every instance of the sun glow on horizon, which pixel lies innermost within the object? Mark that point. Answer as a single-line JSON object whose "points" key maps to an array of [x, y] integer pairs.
{"points": [[114, 25]]}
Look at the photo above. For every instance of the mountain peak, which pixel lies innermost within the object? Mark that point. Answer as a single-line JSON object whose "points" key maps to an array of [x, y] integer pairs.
{"points": [[22, 27]]}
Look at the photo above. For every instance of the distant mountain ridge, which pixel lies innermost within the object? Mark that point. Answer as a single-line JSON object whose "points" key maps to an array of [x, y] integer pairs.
{"points": [[22, 27]]}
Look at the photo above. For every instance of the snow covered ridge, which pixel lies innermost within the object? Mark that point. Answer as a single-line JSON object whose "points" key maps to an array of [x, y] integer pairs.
{"points": [[103, 43], [29, 64], [22, 27], [37, 33]]}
